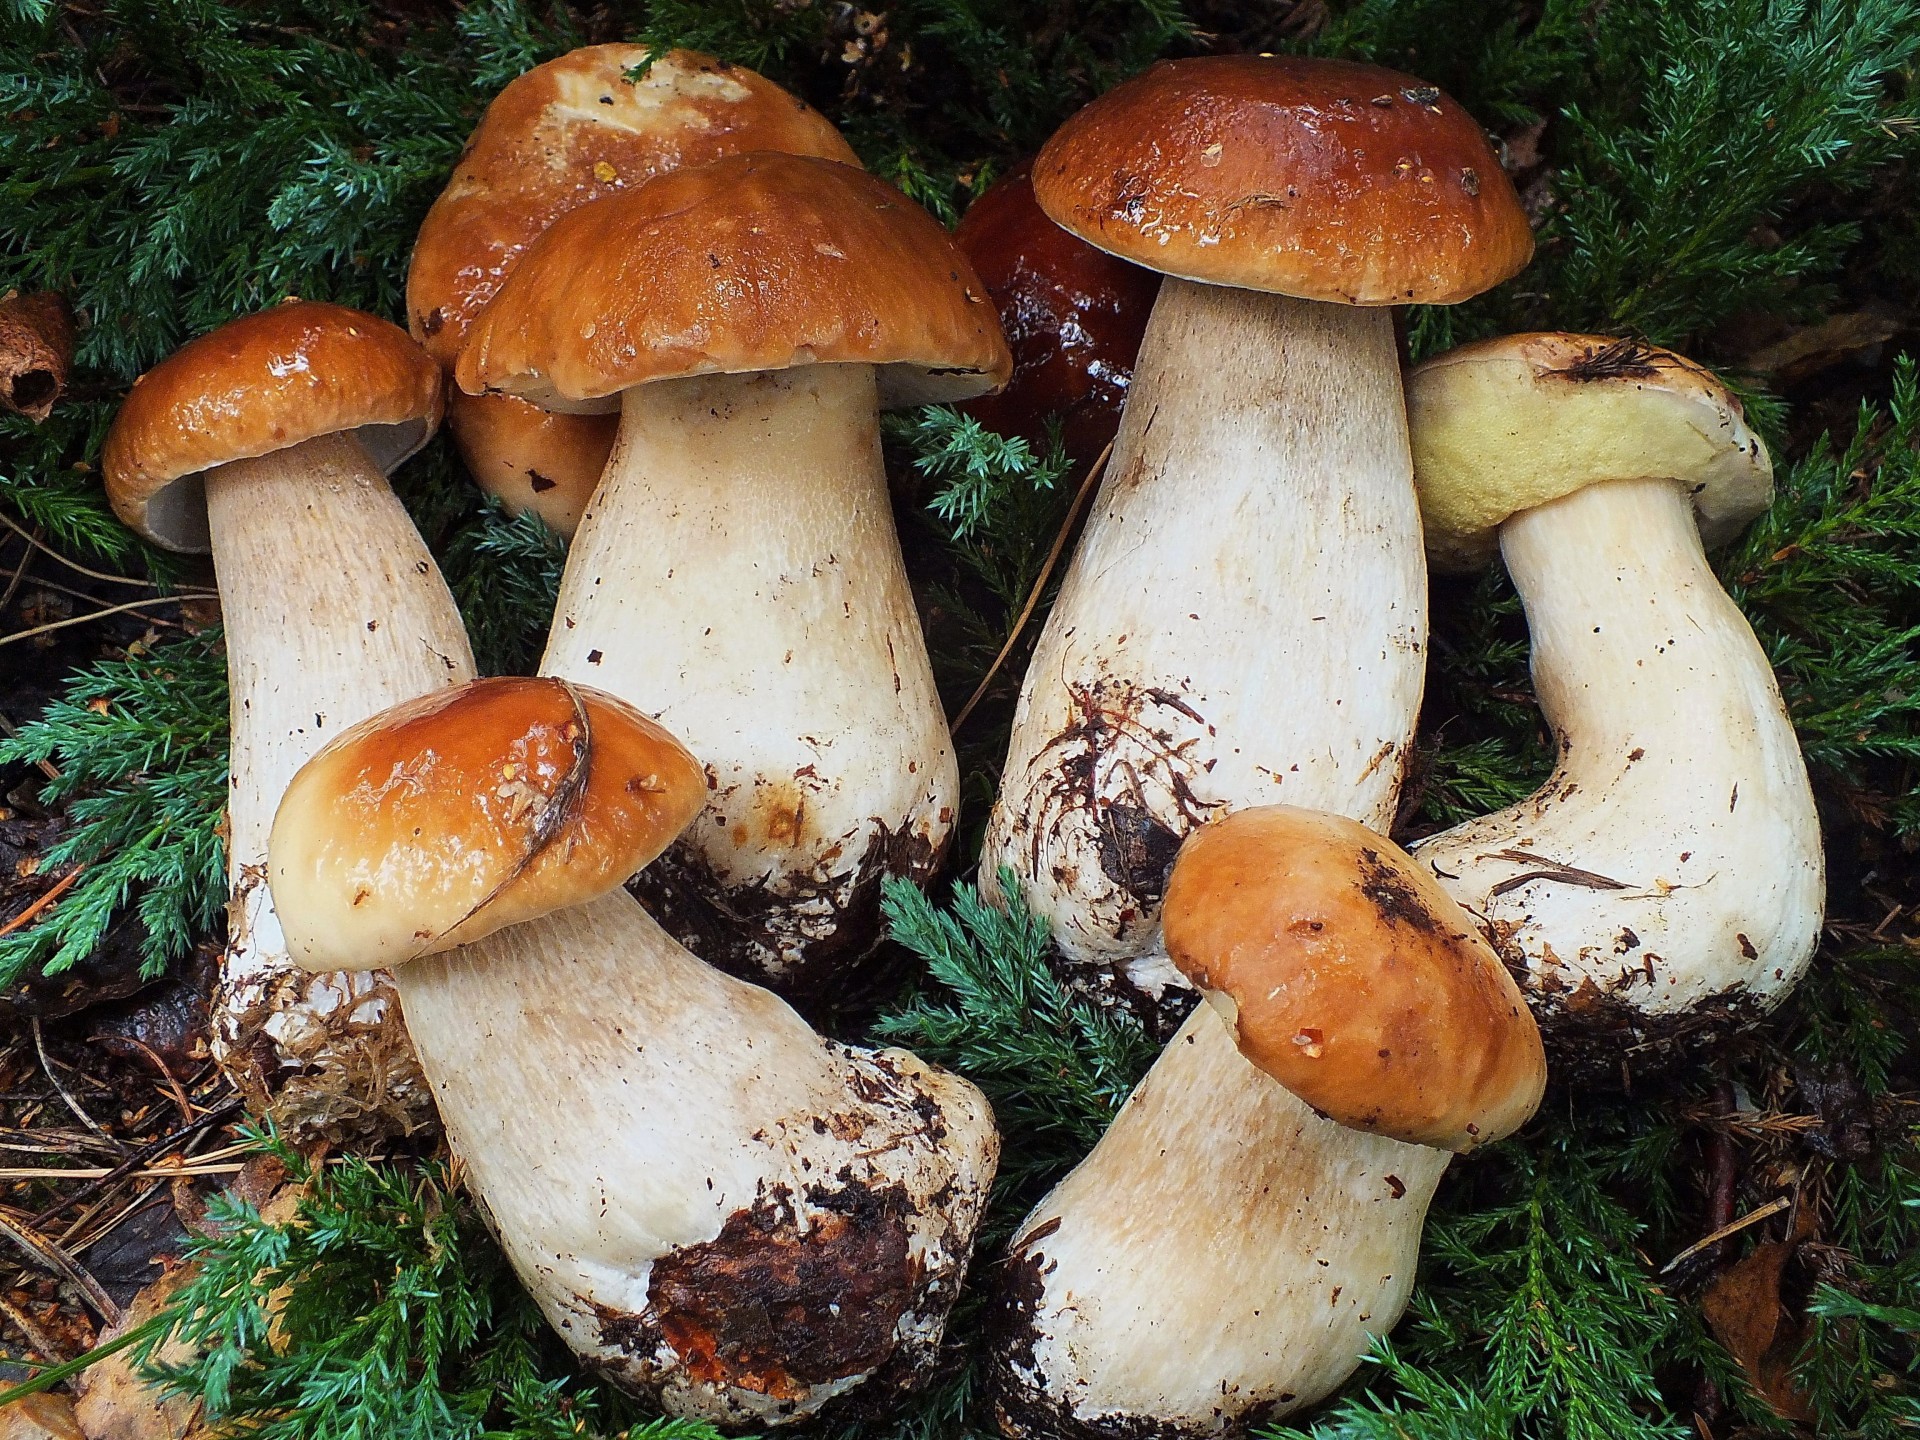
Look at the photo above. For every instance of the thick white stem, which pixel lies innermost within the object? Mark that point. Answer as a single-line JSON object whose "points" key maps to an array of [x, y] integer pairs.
{"points": [[1244, 622], [706, 1198], [738, 576], [334, 610], [1680, 802], [1222, 1257]]}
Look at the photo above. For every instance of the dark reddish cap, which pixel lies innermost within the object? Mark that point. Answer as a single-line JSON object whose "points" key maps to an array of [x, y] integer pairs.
{"points": [[1352, 978], [1320, 179], [753, 263], [449, 817], [576, 130], [1073, 317], [263, 383]]}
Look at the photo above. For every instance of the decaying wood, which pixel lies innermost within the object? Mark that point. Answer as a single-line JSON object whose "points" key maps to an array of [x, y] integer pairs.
{"points": [[36, 352]]}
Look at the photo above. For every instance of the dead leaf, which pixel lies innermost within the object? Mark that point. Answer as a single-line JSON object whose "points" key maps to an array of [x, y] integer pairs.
{"points": [[40, 1417], [117, 1403], [1745, 1313]]}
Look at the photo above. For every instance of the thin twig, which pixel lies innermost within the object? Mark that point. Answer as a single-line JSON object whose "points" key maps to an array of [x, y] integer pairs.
{"points": [[144, 1155], [19, 574], [74, 592], [1772, 1207], [75, 565], [12, 731], [53, 893], [173, 1085], [1094, 472], [51, 1255], [51, 1349], [40, 1045], [89, 618]]}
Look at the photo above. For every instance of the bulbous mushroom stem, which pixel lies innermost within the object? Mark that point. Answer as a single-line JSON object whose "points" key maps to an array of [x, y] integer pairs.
{"points": [[739, 563], [707, 1199], [321, 633], [1223, 1257], [1668, 878], [1244, 621]]}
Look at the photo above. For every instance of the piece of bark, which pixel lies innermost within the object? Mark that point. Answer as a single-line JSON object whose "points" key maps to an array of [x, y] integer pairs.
{"points": [[36, 352]]}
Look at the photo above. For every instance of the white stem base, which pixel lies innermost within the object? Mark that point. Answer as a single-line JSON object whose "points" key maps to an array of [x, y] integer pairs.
{"points": [[1680, 795], [738, 577], [1244, 622], [1223, 1256], [707, 1199], [334, 610]]}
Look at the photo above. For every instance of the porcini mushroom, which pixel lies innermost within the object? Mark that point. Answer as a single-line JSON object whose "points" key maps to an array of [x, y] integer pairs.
{"points": [[710, 1203], [1667, 880], [1073, 317], [566, 133], [1245, 616], [268, 442], [739, 565], [1240, 1235]]}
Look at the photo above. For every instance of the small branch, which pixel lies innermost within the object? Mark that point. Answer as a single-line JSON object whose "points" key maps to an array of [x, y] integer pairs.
{"points": [[61, 1263], [37, 543], [53, 893], [1040, 583], [145, 1155], [40, 1045], [1771, 1208], [37, 1337], [36, 353], [88, 619]]}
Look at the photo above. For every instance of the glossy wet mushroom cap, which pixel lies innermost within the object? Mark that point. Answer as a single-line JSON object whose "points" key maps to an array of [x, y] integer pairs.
{"points": [[261, 384], [1073, 316], [455, 815], [533, 460], [752, 263], [1320, 179], [1353, 979], [1509, 424]]}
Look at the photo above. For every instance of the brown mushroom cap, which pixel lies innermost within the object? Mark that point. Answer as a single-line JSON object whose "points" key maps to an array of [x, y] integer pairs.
{"points": [[752, 263], [263, 383], [1512, 423], [1320, 179], [1354, 980], [446, 818], [1073, 317], [576, 130], [532, 459]]}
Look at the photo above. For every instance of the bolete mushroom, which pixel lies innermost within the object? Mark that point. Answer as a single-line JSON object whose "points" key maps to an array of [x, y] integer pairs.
{"points": [[739, 565], [268, 442], [1252, 1219], [1667, 880], [712, 1204], [566, 133], [1073, 317], [1245, 616]]}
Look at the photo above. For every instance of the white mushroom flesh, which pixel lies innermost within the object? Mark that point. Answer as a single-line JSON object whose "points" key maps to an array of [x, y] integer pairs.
{"points": [[1244, 622], [739, 568], [1669, 873]]}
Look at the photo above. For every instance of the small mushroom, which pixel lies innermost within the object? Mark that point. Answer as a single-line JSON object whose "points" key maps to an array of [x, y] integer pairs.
{"points": [[269, 442], [563, 135], [1073, 316], [711, 1204], [739, 563], [1667, 880], [1251, 1221], [1244, 621]]}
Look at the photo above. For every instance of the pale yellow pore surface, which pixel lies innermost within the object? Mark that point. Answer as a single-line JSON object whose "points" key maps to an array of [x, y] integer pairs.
{"points": [[1510, 424]]}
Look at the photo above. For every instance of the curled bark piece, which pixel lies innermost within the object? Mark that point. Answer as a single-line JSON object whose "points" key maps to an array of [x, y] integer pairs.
{"points": [[36, 353]]}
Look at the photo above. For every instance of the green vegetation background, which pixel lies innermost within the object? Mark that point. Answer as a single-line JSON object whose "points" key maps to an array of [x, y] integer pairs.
{"points": [[1701, 171]]}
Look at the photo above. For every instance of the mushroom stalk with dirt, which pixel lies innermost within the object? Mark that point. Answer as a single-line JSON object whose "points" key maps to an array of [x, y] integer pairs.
{"points": [[1251, 1221], [710, 1202], [1667, 880], [738, 565], [268, 443], [1244, 621]]}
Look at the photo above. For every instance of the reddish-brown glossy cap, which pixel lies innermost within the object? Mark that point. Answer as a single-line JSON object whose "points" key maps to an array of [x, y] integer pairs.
{"points": [[263, 383], [532, 459], [449, 817], [1320, 179], [1073, 317], [575, 130], [1353, 979], [752, 263]]}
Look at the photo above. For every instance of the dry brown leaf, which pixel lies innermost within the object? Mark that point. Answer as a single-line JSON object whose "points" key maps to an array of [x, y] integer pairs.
{"points": [[1746, 1314], [40, 1417]]}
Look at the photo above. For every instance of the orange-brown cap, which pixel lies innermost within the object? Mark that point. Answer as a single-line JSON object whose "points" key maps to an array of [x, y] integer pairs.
{"points": [[263, 383], [575, 130], [751, 263], [1353, 979], [1321, 179], [532, 459], [468, 810]]}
